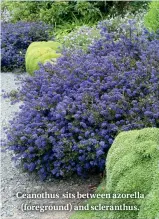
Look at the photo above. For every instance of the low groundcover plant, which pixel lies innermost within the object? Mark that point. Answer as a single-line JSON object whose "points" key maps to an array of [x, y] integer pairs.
{"points": [[73, 110]]}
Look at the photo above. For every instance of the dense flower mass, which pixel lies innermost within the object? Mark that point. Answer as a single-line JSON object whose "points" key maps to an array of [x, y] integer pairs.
{"points": [[15, 40], [72, 111]]}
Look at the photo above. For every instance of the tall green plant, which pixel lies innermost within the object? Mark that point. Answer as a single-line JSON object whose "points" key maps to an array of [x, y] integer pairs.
{"points": [[23, 11], [152, 17], [52, 12], [66, 15]]}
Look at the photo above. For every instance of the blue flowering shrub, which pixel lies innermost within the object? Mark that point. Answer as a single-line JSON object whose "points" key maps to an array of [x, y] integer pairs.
{"points": [[16, 37], [73, 110], [132, 167]]}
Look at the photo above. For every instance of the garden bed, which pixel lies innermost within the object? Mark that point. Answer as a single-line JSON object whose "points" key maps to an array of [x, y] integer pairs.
{"points": [[61, 121]]}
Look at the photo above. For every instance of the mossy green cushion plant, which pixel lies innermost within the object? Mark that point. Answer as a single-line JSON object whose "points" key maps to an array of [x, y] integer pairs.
{"points": [[152, 17], [41, 52], [132, 166]]}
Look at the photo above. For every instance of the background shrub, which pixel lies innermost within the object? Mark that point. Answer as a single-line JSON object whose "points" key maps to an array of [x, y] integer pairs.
{"points": [[15, 40], [72, 111], [53, 12], [59, 13], [80, 38], [152, 17], [133, 153], [116, 23], [121, 8], [21, 11]]}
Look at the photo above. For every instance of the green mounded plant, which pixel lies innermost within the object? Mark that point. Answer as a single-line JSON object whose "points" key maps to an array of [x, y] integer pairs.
{"points": [[132, 166], [41, 52], [152, 17]]}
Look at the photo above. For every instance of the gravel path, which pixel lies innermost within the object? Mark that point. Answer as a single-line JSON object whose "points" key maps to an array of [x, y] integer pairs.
{"points": [[13, 180]]}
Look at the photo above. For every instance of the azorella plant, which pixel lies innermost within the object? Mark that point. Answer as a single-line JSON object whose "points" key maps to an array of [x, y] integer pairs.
{"points": [[73, 110]]}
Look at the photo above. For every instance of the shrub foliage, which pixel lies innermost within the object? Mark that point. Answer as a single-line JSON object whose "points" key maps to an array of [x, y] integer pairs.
{"points": [[62, 12], [80, 38], [72, 111], [15, 40], [152, 17]]}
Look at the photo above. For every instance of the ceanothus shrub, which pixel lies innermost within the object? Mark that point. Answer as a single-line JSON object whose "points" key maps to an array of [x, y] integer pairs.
{"points": [[16, 37], [73, 110]]}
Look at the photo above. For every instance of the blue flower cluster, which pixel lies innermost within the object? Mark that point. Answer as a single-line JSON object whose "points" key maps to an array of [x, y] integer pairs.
{"points": [[73, 110], [15, 40]]}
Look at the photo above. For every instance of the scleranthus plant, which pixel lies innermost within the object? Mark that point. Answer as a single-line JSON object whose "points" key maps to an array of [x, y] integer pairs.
{"points": [[16, 38], [73, 110]]}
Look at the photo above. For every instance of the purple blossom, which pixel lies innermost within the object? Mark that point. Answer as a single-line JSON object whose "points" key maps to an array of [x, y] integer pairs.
{"points": [[99, 153], [31, 166], [31, 149]]}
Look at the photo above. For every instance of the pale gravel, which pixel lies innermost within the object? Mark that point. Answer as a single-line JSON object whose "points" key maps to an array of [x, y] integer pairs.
{"points": [[13, 180]]}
